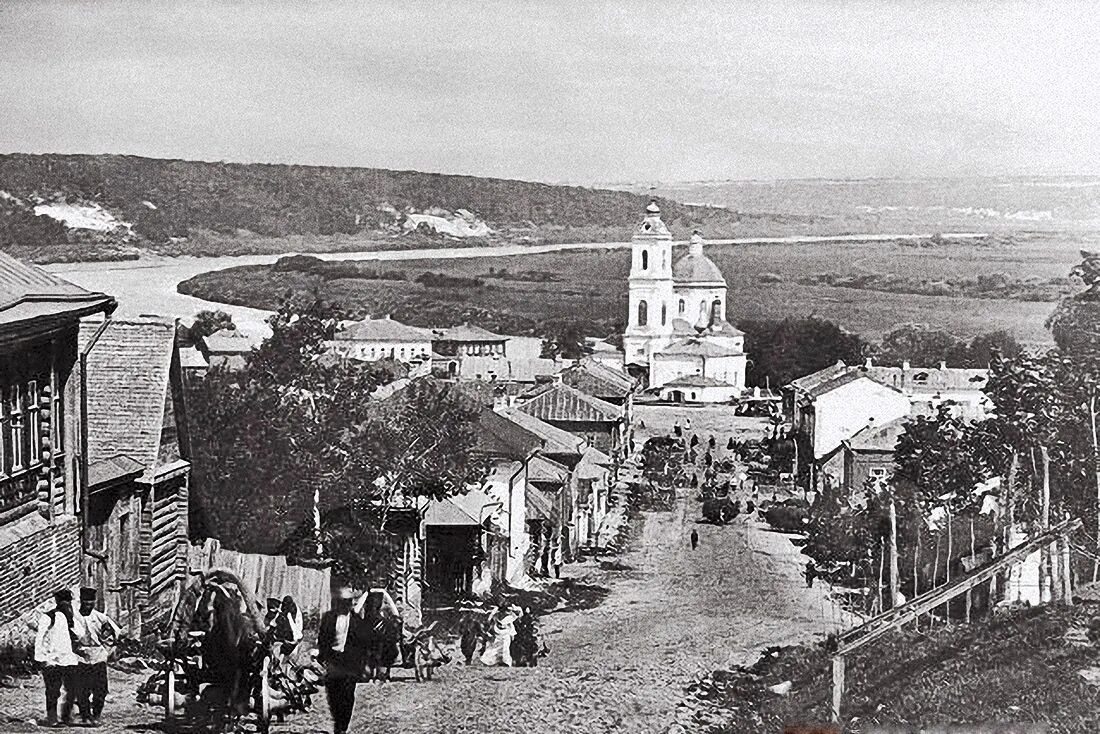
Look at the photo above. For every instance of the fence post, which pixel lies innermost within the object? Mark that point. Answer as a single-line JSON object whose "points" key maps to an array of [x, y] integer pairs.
{"points": [[838, 686]]}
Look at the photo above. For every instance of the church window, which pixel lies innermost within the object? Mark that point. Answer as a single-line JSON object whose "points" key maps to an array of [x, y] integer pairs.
{"points": [[664, 314], [664, 258], [682, 305], [716, 310], [645, 259], [702, 310], [643, 313]]}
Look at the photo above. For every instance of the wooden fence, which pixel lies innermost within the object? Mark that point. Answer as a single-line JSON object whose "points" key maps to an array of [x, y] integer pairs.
{"points": [[268, 576]]}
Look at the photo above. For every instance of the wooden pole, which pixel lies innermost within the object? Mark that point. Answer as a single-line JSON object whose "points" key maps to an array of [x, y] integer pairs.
{"points": [[894, 591], [969, 595], [881, 559], [1045, 586], [1067, 569], [838, 686], [947, 564], [1096, 469]]}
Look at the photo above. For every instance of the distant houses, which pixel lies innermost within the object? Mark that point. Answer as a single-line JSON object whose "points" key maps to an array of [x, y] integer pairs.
{"points": [[844, 417]]}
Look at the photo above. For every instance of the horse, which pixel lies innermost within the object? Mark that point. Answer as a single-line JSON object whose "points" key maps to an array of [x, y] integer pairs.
{"points": [[232, 646]]}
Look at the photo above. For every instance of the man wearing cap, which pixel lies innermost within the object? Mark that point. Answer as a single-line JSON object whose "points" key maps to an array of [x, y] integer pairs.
{"points": [[340, 646], [55, 649], [98, 631]]}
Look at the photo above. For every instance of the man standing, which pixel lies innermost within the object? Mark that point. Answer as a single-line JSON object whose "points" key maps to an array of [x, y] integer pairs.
{"points": [[340, 649], [98, 632], [694, 538], [54, 650]]}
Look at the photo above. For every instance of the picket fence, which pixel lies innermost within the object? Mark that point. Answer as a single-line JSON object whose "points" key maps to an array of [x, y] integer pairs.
{"points": [[268, 576]]}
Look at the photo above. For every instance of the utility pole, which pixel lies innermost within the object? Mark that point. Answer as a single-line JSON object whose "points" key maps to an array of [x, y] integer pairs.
{"points": [[893, 554]]}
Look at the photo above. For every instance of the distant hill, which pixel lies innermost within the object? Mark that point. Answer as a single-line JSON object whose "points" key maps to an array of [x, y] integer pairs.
{"points": [[106, 206]]}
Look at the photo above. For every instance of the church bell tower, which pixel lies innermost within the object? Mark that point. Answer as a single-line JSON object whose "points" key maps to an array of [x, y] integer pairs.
{"points": [[649, 319]]}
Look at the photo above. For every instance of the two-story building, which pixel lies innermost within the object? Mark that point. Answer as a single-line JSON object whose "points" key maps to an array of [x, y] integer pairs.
{"points": [[41, 467], [136, 525], [371, 339]]}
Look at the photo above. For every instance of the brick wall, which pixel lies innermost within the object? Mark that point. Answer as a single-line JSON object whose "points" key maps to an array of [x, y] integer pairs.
{"points": [[37, 557]]}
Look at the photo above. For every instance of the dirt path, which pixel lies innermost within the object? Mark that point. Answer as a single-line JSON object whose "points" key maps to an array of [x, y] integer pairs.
{"points": [[672, 614]]}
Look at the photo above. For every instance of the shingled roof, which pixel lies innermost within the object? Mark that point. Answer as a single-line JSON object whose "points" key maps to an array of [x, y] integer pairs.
{"points": [[594, 378], [555, 440], [383, 330], [28, 292], [558, 402], [128, 374]]}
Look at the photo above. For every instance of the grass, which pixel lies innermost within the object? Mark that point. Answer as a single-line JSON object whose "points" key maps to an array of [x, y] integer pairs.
{"points": [[591, 286], [1015, 668]]}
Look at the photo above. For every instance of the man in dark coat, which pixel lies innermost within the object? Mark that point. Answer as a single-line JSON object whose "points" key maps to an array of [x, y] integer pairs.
{"points": [[340, 648]]}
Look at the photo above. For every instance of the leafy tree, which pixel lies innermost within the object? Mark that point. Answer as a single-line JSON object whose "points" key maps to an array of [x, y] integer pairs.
{"points": [[922, 345], [294, 450], [205, 324], [565, 339], [783, 350]]}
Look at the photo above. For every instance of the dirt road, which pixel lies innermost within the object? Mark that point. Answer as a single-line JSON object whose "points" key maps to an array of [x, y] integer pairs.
{"points": [[672, 614]]}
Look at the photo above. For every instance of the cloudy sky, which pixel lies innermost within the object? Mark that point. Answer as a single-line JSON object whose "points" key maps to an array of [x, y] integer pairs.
{"points": [[581, 91]]}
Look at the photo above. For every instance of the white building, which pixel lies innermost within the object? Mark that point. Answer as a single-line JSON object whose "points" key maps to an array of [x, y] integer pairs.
{"points": [[373, 339], [676, 325]]}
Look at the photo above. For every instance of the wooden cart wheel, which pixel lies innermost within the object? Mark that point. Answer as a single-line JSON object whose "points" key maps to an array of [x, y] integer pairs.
{"points": [[265, 690], [170, 693]]}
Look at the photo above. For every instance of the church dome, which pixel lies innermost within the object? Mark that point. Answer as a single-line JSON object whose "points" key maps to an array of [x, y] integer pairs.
{"points": [[695, 267], [652, 226]]}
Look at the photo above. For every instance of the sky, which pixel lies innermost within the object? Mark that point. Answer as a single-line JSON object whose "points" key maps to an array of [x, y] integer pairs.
{"points": [[578, 91]]}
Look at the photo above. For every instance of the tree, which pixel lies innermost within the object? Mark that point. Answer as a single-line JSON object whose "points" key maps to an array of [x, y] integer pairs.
{"points": [[294, 451], [781, 351], [209, 322], [924, 346], [565, 339]]}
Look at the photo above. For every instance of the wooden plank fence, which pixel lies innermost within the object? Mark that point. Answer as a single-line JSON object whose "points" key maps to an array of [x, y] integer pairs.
{"points": [[268, 576], [880, 625]]}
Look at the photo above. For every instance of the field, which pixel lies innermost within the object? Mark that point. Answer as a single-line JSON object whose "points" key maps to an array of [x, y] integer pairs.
{"points": [[591, 285]]}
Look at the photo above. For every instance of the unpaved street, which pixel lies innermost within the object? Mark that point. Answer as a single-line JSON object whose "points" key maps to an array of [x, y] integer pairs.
{"points": [[672, 614]]}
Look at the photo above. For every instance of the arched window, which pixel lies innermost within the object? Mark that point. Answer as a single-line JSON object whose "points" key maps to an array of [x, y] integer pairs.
{"points": [[645, 259], [664, 314], [702, 310], [643, 313], [664, 258], [716, 310], [682, 305]]}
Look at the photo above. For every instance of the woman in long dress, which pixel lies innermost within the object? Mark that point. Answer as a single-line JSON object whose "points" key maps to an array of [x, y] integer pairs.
{"points": [[502, 628]]}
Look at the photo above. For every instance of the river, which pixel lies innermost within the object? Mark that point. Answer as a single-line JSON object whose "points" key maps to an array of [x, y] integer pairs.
{"points": [[148, 286]]}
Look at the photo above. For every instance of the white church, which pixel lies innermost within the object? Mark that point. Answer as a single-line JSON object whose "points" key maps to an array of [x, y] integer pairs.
{"points": [[677, 333]]}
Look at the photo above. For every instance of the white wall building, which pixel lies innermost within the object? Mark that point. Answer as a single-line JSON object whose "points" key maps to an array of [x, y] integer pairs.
{"points": [[373, 339], [676, 324]]}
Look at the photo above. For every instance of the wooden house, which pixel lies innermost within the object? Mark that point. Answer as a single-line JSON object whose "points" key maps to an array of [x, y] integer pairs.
{"points": [[40, 438], [138, 469]]}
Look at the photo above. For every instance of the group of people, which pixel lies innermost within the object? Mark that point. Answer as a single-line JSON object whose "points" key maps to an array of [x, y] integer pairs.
{"points": [[72, 646], [508, 637]]}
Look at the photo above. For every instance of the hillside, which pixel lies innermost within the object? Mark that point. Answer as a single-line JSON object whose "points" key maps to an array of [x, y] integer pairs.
{"points": [[1018, 667], [69, 207]]}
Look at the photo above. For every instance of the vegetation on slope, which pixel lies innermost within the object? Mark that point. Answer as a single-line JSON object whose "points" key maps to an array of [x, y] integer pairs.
{"points": [[176, 206], [1015, 668]]}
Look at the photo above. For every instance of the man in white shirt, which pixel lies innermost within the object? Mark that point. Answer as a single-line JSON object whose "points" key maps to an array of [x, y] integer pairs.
{"points": [[55, 648], [99, 631]]}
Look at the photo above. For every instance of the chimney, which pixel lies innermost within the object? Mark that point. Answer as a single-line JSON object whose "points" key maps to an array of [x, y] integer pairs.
{"points": [[905, 364], [943, 365], [867, 364]]}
